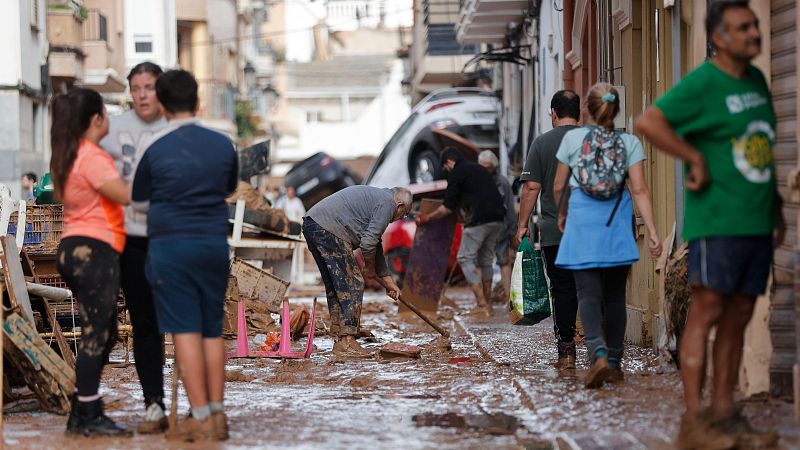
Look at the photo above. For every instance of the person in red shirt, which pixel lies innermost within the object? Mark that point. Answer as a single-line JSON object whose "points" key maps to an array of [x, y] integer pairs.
{"points": [[88, 184]]}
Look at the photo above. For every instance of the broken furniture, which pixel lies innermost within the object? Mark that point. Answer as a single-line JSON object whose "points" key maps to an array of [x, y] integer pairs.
{"points": [[257, 287], [285, 346], [284, 254], [45, 373]]}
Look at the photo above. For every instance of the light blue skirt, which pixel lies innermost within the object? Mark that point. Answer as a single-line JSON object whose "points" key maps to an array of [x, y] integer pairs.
{"points": [[588, 243]]}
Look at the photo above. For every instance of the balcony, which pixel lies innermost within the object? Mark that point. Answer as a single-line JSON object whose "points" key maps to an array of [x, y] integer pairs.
{"points": [[487, 21], [64, 28], [438, 57]]}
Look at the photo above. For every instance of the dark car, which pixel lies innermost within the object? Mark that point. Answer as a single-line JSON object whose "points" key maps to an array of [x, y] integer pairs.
{"points": [[319, 176]]}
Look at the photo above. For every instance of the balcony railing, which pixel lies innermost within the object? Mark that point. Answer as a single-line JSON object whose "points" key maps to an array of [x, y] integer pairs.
{"points": [[95, 27]]}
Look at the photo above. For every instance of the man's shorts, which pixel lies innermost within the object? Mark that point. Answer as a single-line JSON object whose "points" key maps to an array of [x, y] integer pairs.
{"points": [[731, 265], [189, 278]]}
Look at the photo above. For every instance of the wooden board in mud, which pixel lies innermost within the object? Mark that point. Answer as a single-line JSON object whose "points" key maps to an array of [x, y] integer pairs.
{"points": [[45, 373], [427, 264]]}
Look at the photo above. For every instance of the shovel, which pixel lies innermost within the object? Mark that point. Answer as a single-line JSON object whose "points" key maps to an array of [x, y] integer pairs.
{"points": [[422, 316]]}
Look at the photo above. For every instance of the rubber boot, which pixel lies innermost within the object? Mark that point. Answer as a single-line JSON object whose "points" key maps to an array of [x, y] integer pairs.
{"points": [[92, 421]]}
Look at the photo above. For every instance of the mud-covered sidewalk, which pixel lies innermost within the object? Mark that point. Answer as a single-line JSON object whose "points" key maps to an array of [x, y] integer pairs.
{"points": [[497, 388]]}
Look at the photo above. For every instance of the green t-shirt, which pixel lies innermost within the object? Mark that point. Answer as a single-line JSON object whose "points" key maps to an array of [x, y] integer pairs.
{"points": [[732, 123]]}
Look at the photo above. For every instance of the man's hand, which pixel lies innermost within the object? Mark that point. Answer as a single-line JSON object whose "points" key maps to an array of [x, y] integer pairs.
{"points": [[698, 176], [391, 287], [562, 221], [422, 219], [521, 233]]}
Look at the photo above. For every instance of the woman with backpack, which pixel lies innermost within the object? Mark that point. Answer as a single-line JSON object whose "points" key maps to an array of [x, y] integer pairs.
{"points": [[88, 184], [599, 243]]}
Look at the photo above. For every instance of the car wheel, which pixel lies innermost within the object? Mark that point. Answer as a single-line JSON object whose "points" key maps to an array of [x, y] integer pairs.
{"points": [[426, 167], [397, 262]]}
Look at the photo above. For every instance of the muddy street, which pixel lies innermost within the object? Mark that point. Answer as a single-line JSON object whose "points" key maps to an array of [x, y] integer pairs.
{"points": [[496, 388]]}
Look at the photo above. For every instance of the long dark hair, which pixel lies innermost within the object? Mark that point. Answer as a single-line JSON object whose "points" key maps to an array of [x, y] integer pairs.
{"points": [[72, 114]]}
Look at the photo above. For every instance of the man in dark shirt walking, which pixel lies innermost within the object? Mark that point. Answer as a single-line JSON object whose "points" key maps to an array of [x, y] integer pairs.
{"points": [[472, 188], [538, 175]]}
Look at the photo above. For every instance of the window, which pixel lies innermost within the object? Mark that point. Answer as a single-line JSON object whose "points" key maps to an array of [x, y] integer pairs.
{"points": [[144, 47], [314, 116], [143, 43]]}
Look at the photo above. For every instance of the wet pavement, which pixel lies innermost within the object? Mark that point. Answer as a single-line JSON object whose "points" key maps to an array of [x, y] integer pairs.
{"points": [[497, 389]]}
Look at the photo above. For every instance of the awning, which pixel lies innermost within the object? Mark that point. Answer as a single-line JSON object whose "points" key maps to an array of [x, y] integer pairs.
{"points": [[487, 21]]}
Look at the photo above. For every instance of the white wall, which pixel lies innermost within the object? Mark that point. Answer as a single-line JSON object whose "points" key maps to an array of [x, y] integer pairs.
{"points": [[551, 65], [365, 135], [22, 132], [301, 16], [156, 19]]}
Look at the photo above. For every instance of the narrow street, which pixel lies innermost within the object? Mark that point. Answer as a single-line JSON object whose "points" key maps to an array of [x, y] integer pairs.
{"points": [[497, 388]]}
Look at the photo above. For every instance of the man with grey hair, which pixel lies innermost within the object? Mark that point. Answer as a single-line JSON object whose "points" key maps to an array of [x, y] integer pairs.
{"points": [[502, 250], [334, 228]]}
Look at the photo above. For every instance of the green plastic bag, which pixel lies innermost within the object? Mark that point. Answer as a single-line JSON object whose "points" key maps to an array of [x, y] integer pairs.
{"points": [[529, 299]]}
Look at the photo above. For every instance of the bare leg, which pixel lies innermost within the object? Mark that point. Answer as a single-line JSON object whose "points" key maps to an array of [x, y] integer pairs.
{"points": [[728, 344], [214, 352], [704, 312], [505, 273], [190, 355]]}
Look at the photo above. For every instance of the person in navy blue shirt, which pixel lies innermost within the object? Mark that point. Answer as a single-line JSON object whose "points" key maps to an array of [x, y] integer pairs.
{"points": [[182, 180]]}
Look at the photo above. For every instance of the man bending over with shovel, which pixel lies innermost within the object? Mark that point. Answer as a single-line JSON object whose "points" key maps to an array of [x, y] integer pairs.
{"points": [[352, 218]]}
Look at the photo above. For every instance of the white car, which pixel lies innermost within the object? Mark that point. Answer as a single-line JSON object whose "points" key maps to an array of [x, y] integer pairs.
{"points": [[412, 154]]}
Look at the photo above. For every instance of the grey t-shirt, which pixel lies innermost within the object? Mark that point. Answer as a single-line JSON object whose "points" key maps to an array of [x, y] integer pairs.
{"points": [[358, 215], [126, 135], [540, 167]]}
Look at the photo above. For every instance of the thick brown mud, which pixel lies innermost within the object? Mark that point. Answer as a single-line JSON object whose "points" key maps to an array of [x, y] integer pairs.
{"points": [[494, 387]]}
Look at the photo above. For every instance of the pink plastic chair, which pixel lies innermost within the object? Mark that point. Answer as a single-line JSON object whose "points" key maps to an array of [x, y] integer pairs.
{"points": [[285, 346]]}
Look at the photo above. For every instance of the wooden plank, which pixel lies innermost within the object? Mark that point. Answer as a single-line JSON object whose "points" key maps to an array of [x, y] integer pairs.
{"points": [[45, 373], [427, 263], [63, 346], [15, 279]]}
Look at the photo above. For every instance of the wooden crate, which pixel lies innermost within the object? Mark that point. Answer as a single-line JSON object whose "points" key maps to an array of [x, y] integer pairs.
{"points": [[259, 284]]}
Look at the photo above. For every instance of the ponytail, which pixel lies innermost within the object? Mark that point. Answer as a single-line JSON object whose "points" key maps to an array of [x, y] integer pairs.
{"points": [[72, 114], [602, 102]]}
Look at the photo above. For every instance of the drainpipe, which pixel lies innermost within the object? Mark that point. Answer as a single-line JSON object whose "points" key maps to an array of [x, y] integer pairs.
{"points": [[676, 76], [569, 13]]}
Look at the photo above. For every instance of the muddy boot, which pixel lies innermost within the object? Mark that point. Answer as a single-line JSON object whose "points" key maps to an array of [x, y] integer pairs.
{"points": [[220, 421], [617, 376], [92, 421], [482, 307], [347, 347], [598, 373], [155, 421], [566, 356], [746, 436], [697, 432], [192, 430]]}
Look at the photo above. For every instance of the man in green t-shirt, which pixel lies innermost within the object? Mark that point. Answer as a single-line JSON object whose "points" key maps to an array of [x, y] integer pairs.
{"points": [[720, 121]]}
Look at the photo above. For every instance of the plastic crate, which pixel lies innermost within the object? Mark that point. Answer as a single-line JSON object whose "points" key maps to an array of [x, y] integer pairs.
{"points": [[43, 224], [259, 284]]}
